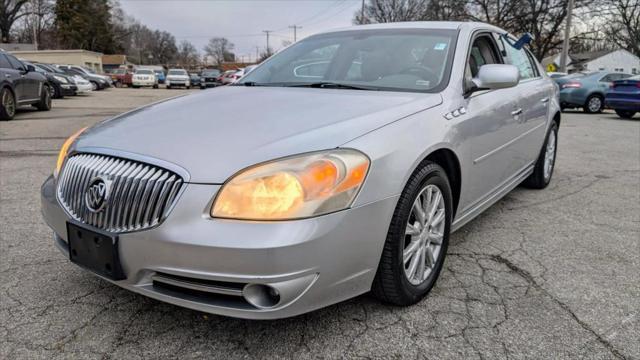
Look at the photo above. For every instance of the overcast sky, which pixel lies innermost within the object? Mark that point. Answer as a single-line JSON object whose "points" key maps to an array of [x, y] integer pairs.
{"points": [[241, 21]]}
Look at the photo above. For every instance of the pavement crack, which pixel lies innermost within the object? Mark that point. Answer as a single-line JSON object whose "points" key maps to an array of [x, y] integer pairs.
{"points": [[530, 279]]}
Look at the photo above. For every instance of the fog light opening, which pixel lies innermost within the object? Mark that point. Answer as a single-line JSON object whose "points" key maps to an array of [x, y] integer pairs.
{"points": [[261, 296]]}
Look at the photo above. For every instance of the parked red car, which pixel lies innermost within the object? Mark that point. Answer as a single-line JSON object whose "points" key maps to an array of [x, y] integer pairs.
{"points": [[122, 77]]}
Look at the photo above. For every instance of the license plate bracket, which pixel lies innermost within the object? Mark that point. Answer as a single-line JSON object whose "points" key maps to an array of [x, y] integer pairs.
{"points": [[95, 250]]}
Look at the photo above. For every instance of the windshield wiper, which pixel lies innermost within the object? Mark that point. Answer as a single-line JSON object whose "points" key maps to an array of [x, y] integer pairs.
{"points": [[331, 85]]}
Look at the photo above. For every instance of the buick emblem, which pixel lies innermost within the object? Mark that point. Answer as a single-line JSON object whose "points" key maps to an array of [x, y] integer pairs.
{"points": [[97, 194]]}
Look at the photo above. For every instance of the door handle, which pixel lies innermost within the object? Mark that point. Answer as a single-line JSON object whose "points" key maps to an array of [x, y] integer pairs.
{"points": [[545, 100], [516, 112]]}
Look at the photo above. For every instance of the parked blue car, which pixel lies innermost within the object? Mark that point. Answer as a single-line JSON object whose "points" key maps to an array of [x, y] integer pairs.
{"points": [[160, 75], [586, 90], [624, 97]]}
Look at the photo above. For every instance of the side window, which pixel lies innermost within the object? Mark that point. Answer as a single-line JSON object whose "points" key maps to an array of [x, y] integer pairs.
{"points": [[482, 52], [521, 60], [4, 63], [532, 60], [610, 78], [15, 63]]}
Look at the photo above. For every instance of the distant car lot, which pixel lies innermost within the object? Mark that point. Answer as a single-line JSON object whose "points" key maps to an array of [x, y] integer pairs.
{"points": [[553, 275]]}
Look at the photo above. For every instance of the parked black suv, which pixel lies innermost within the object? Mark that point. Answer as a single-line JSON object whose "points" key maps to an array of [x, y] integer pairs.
{"points": [[61, 84], [209, 78], [20, 85]]}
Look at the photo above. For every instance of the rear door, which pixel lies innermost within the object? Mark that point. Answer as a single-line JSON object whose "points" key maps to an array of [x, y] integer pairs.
{"points": [[535, 91]]}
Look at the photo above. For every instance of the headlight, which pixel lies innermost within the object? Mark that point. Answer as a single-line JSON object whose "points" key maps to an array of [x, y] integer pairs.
{"points": [[64, 150], [293, 188], [60, 78]]}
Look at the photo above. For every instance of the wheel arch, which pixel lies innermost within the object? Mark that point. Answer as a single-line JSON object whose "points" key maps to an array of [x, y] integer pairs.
{"points": [[449, 161]]}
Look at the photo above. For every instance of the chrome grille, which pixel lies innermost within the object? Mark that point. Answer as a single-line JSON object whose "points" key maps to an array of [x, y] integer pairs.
{"points": [[140, 195]]}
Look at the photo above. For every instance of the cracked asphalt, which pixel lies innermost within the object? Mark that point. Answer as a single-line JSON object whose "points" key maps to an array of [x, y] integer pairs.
{"points": [[541, 274]]}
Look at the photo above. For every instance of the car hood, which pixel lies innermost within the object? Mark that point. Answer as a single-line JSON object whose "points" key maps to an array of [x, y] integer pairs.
{"points": [[178, 77], [214, 134]]}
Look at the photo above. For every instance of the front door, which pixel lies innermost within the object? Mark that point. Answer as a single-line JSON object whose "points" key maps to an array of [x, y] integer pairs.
{"points": [[495, 118]]}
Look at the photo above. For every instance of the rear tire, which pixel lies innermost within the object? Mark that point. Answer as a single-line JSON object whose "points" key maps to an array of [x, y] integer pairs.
{"points": [[594, 104], [168, 87], [543, 170], [7, 104], [625, 114], [45, 99], [412, 233]]}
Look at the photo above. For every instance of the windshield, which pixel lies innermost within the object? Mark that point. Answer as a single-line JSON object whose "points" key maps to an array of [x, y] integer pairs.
{"points": [[144, 72], [158, 72], [390, 59], [177, 72], [51, 68], [211, 73], [90, 71], [119, 71]]}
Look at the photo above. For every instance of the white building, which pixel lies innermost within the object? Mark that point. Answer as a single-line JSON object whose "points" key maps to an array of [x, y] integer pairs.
{"points": [[611, 60]]}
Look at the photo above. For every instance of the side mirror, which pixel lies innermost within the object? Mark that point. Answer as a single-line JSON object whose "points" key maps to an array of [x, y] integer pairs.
{"points": [[29, 68], [496, 76]]}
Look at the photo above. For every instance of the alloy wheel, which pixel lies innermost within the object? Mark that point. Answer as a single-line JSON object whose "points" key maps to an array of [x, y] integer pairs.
{"points": [[424, 234], [8, 103], [595, 104], [549, 155]]}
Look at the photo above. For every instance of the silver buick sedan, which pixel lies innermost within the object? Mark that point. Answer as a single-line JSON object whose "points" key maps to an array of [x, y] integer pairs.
{"points": [[339, 166]]}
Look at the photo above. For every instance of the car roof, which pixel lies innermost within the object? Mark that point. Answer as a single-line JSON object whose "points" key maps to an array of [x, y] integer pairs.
{"points": [[434, 25]]}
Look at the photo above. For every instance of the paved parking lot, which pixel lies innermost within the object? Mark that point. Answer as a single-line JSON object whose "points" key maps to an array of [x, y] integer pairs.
{"points": [[542, 274]]}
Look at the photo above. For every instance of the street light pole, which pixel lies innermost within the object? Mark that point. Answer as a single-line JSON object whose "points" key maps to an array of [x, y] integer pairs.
{"points": [[567, 34]]}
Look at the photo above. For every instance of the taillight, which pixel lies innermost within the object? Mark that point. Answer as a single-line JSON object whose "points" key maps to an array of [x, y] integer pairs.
{"points": [[638, 84], [572, 85]]}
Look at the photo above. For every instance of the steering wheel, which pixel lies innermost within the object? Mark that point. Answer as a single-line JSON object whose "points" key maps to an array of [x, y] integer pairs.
{"points": [[420, 71]]}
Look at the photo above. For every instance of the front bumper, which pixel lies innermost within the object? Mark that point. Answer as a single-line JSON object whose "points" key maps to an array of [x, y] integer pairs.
{"points": [[68, 89], [143, 82], [84, 88], [312, 262], [184, 83]]}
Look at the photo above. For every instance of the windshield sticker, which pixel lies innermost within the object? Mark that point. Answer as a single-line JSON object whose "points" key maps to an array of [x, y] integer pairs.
{"points": [[422, 83], [440, 46]]}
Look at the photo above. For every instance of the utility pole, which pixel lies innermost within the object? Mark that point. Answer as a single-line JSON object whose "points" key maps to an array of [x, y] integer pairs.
{"points": [[257, 54], [268, 32], [362, 13], [567, 34], [295, 27]]}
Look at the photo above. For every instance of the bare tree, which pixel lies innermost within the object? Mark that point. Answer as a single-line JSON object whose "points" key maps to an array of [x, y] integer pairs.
{"points": [[10, 11], [623, 23], [187, 54], [219, 49], [38, 22], [383, 11]]}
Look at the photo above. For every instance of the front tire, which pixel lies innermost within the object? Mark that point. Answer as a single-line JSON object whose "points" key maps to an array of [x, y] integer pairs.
{"points": [[543, 169], [7, 104], [625, 114], [594, 104], [417, 240]]}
